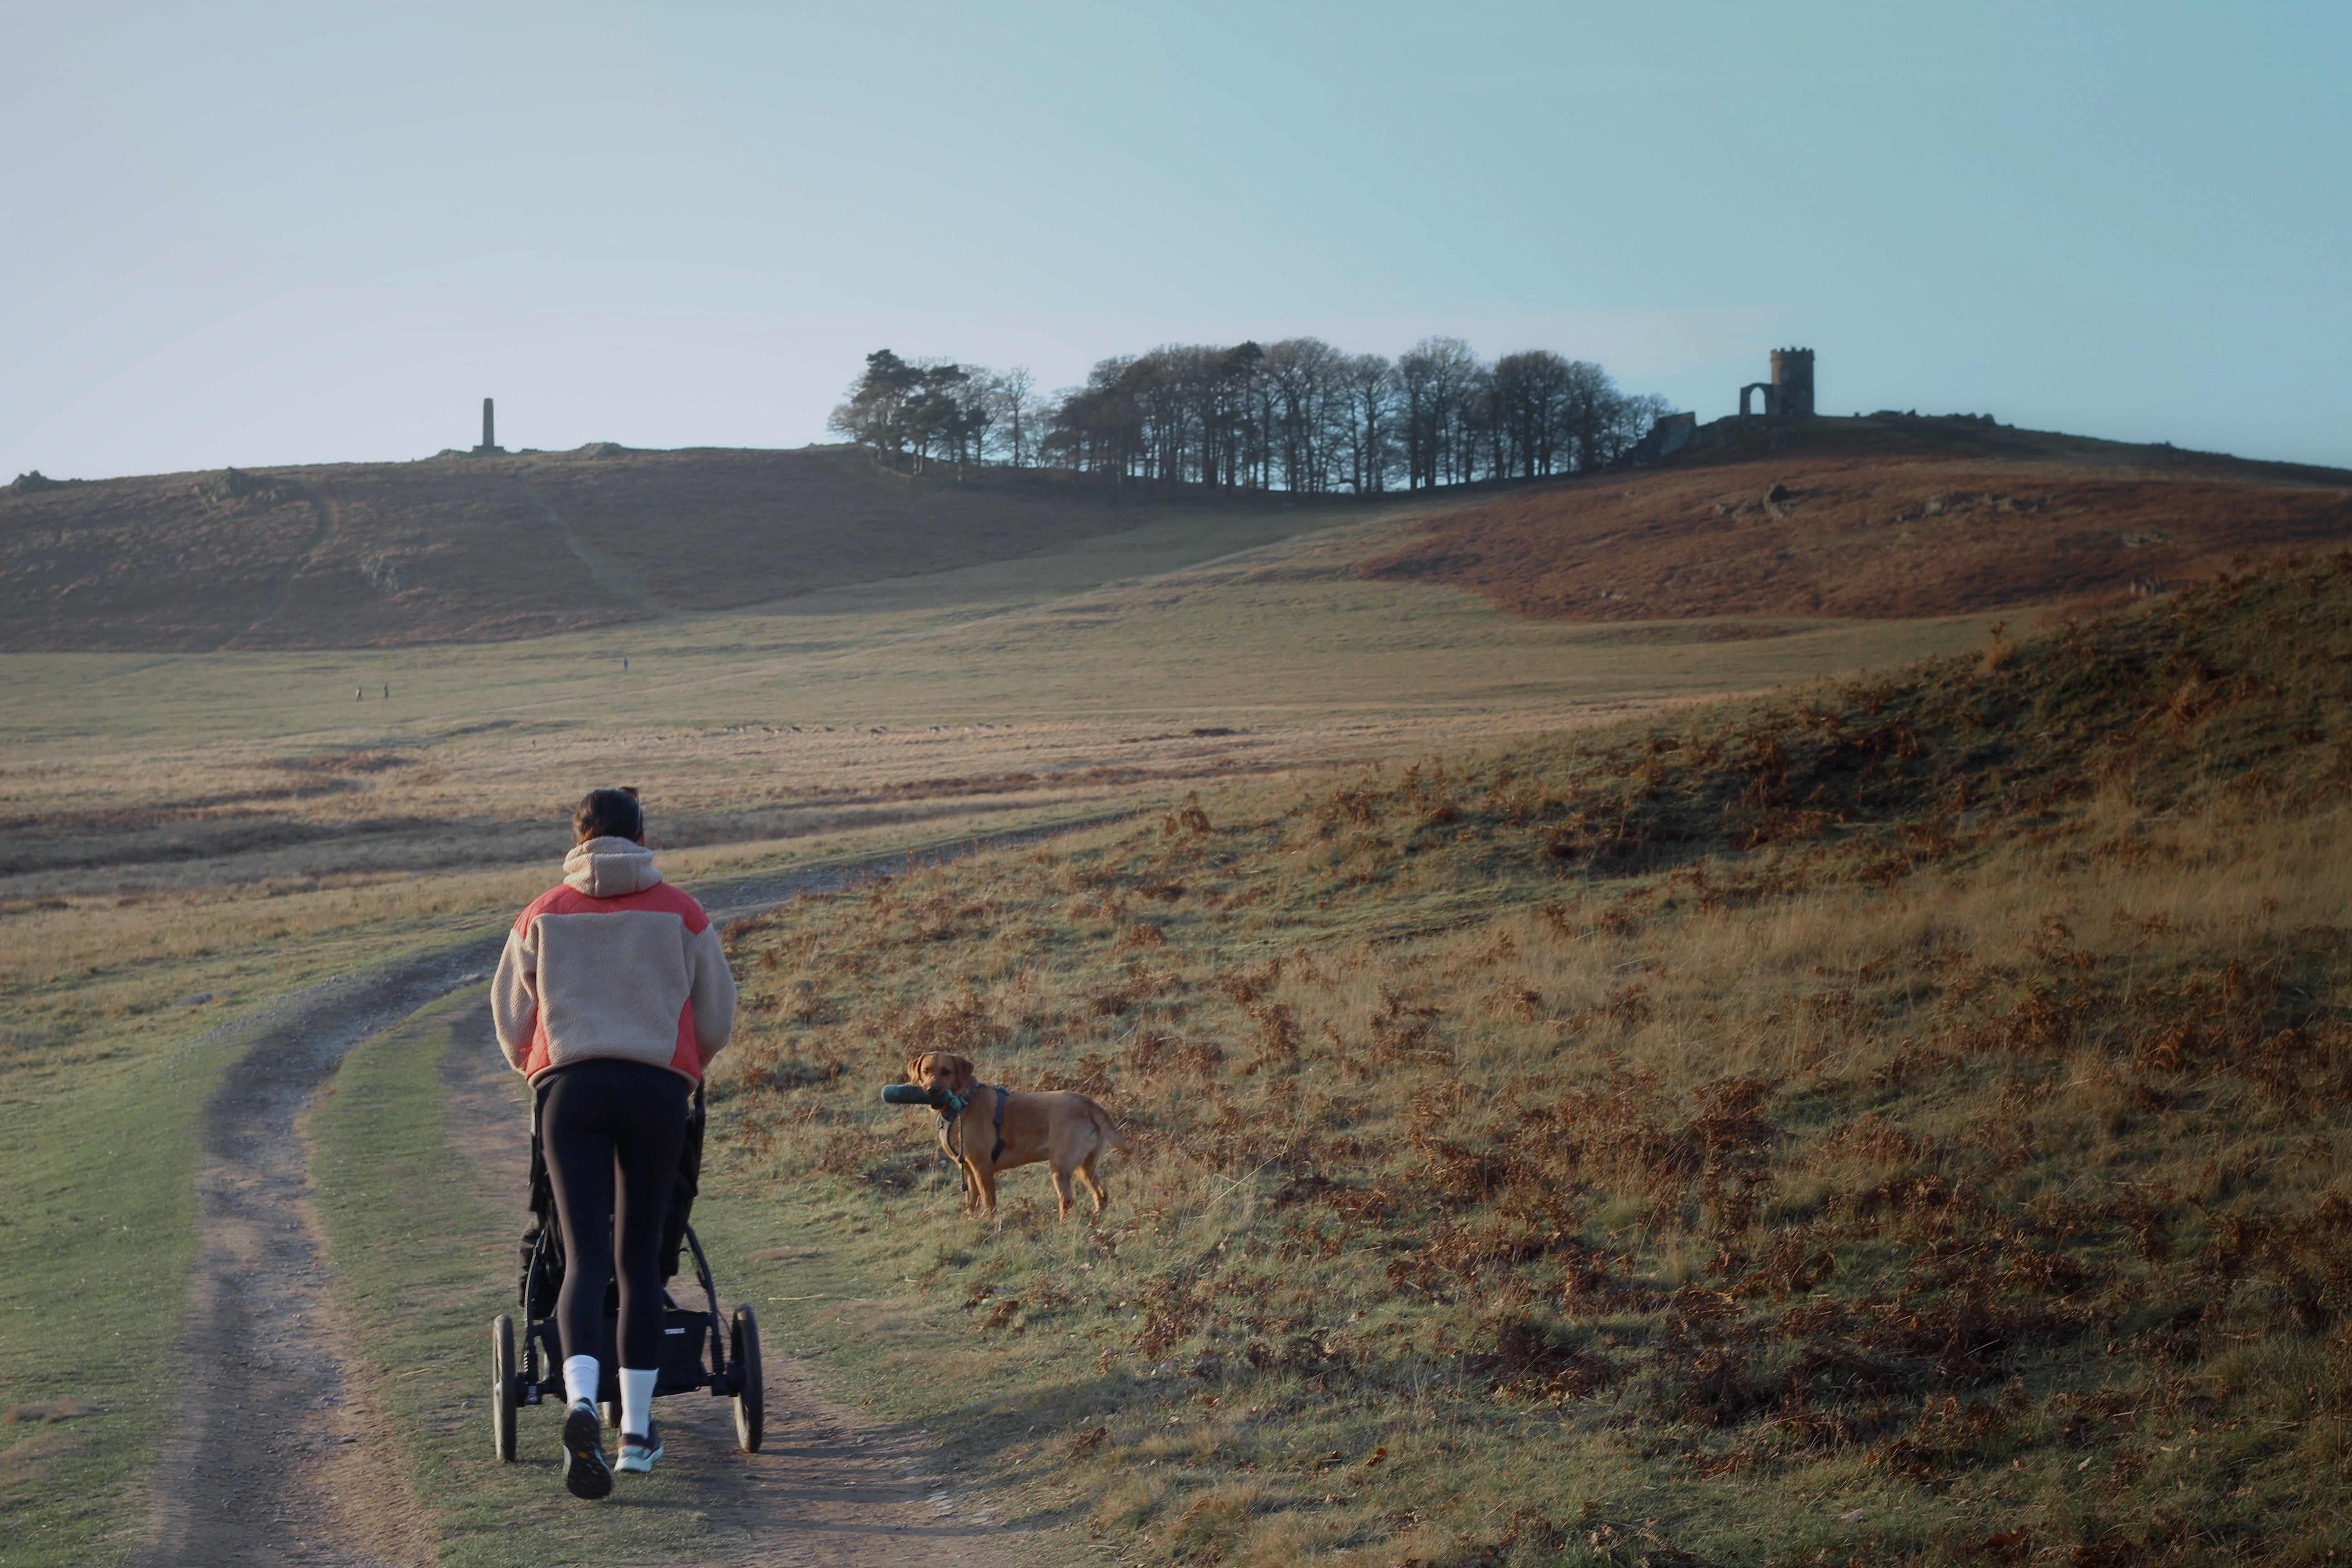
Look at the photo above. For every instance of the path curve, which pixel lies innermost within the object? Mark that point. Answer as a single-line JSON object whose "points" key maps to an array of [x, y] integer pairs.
{"points": [[275, 1460], [271, 1461]]}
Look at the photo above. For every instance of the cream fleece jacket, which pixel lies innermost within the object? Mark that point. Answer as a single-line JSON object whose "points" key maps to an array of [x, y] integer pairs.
{"points": [[613, 963]]}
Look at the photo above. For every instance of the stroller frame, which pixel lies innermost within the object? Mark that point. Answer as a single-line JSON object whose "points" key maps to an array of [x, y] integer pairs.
{"points": [[529, 1369]]}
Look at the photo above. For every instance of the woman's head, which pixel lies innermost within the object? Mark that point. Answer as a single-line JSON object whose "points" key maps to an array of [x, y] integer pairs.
{"points": [[608, 813]]}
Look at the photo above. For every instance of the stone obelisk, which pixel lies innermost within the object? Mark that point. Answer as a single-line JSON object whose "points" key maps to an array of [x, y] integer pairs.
{"points": [[490, 429]]}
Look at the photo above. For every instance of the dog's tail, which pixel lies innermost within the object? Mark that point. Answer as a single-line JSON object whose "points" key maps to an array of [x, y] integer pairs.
{"points": [[1107, 1127]]}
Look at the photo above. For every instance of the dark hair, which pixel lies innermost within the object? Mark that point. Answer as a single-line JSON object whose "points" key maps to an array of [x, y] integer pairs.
{"points": [[608, 813]]}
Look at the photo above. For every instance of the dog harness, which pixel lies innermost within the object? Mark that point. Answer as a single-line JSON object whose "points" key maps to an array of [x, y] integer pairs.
{"points": [[951, 1118]]}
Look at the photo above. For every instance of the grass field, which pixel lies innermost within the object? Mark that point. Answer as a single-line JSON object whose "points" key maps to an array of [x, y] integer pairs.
{"points": [[967, 694], [1897, 1124], [234, 827]]}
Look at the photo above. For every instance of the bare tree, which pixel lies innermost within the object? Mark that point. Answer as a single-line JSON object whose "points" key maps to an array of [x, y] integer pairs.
{"points": [[1438, 378], [1012, 400], [1633, 417], [1531, 395], [1369, 382], [1097, 428], [1298, 415], [1303, 378]]}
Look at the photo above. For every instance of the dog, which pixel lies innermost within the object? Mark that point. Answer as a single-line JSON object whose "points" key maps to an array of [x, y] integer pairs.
{"points": [[998, 1129]]}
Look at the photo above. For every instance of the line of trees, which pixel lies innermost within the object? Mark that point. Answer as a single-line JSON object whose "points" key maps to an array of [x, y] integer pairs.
{"points": [[1297, 415]]}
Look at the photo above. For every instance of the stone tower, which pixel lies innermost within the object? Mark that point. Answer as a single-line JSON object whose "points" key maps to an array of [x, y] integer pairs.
{"points": [[490, 440], [1792, 382], [1790, 390]]}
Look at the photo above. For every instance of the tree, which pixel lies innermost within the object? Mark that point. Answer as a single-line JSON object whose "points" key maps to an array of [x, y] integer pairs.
{"points": [[1011, 397], [933, 415], [1302, 376], [1531, 393], [873, 414], [1438, 381], [1635, 416], [1298, 414], [1096, 427], [1233, 435], [1370, 382]]}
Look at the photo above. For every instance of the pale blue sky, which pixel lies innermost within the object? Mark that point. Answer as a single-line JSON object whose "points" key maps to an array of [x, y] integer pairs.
{"points": [[232, 232]]}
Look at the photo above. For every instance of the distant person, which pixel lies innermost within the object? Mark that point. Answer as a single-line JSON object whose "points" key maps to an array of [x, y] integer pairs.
{"points": [[613, 993], [624, 664], [387, 691], [359, 693]]}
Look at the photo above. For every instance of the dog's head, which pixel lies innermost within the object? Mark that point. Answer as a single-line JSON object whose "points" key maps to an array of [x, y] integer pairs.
{"points": [[939, 1071]]}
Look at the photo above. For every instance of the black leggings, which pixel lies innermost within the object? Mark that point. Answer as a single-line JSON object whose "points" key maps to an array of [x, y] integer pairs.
{"points": [[599, 1116]]}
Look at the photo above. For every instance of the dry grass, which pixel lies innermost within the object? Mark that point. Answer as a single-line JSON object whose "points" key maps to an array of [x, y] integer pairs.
{"points": [[474, 549], [1859, 520], [127, 776], [1902, 1123]]}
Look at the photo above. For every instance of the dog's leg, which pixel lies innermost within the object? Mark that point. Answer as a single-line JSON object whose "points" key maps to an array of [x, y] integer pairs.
{"points": [[1062, 1190], [986, 1181], [1092, 1182]]}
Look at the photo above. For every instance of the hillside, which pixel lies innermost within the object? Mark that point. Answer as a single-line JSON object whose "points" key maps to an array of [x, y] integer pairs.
{"points": [[1901, 1121], [1881, 516], [461, 549], [1884, 518]]}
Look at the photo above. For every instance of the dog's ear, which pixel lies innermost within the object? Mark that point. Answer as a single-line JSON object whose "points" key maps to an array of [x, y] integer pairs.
{"points": [[959, 1074], [914, 1069]]}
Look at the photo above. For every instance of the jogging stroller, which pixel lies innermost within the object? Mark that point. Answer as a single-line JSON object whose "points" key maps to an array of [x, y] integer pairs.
{"points": [[693, 1355]]}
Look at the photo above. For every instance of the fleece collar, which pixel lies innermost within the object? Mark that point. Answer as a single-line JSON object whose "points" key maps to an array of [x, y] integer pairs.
{"points": [[610, 868]]}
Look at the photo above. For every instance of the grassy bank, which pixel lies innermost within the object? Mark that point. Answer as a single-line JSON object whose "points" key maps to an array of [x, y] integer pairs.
{"points": [[109, 1052], [1900, 1121], [97, 1235]]}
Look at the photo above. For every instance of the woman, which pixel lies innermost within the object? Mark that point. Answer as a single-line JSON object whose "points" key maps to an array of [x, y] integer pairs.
{"points": [[613, 993]]}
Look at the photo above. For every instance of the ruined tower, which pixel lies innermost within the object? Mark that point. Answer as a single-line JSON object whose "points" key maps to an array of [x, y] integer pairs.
{"points": [[1790, 390], [1792, 382]]}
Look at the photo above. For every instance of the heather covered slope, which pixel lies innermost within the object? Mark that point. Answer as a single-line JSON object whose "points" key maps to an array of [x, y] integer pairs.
{"points": [[1903, 1121], [1884, 517], [462, 549]]}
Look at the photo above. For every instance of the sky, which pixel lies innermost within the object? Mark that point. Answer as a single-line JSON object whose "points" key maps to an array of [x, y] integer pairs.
{"points": [[261, 234]]}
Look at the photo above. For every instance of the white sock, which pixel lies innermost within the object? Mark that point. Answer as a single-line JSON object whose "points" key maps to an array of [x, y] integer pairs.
{"points": [[638, 1401], [579, 1379]]}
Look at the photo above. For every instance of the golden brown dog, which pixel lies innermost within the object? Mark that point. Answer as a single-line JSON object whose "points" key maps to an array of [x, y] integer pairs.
{"points": [[999, 1128]]}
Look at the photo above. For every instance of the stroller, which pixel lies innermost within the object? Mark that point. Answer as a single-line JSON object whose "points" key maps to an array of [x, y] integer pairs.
{"points": [[693, 1355]]}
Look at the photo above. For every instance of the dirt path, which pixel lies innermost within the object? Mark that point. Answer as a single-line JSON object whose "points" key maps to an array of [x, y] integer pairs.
{"points": [[608, 574], [275, 1460], [329, 525]]}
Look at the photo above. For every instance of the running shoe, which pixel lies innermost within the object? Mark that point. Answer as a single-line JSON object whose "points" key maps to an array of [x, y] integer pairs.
{"points": [[586, 1474], [638, 1454]]}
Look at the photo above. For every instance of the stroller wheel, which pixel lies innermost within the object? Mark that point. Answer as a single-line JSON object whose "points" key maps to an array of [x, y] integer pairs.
{"points": [[502, 1386], [749, 1395]]}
